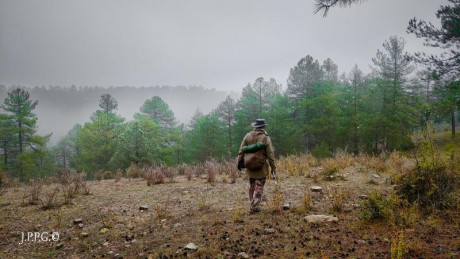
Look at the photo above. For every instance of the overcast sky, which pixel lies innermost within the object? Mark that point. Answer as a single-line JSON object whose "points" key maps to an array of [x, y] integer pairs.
{"points": [[222, 44]]}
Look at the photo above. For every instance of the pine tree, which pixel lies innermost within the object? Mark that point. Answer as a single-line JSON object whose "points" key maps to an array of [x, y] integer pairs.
{"points": [[20, 107], [227, 113], [446, 38], [159, 111], [108, 103]]}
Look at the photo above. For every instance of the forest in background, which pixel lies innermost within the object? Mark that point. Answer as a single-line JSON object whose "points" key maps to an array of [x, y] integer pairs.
{"points": [[60, 108], [319, 112]]}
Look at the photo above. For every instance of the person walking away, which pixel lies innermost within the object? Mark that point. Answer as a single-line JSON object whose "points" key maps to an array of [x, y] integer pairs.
{"points": [[257, 144]]}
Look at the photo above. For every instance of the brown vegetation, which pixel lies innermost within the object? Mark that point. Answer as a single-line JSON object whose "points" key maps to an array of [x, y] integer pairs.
{"points": [[374, 221]]}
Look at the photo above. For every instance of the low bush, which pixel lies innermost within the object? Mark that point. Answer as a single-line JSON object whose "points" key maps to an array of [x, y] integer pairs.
{"points": [[118, 175], [133, 171], [430, 184], [107, 175], [32, 192], [376, 207], [154, 175], [50, 197]]}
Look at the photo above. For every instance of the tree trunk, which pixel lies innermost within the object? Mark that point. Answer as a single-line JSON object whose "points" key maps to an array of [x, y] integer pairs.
{"points": [[453, 121], [20, 137], [5, 158]]}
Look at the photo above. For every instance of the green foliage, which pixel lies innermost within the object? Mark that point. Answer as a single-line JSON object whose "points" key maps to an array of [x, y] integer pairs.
{"points": [[430, 185], [97, 142], [142, 141], [24, 152], [207, 140], [108, 103], [376, 207], [159, 111], [446, 38]]}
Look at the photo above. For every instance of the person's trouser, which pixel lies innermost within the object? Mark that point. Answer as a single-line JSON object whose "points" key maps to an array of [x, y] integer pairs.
{"points": [[256, 188]]}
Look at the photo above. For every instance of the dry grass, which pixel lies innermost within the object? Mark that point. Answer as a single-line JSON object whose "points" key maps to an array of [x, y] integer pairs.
{"points": [[296, 165], [276, 201], [50, 199], [339, 198], [210, 216], [118, 175], [161, 210], [133, 171], [32, 192], [305, 203]]}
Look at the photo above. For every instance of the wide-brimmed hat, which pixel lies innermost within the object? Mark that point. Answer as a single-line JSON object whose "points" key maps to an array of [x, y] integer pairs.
{"points": [[259, 123]]}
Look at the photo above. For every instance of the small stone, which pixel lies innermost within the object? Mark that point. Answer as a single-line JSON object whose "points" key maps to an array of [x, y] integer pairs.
{"points": [[376, 175], [269, 230], [320, 218], [356, 206], [38, 227], [362, 241], [316, 188], [143, 207], [127, 245], [243, 255], [133, 241], [104, 230], [84, 234], [59, 246], [77, 221], [80, 225], [348, 209], [286, 206], [106, 244], [177, 225], [363, 196], [163, 220], [110, 252], [191, 246]]}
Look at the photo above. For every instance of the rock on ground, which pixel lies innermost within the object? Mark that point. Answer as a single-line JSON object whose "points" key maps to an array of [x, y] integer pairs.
{"points": [[316, 188], [321, 218], [191, 246]]}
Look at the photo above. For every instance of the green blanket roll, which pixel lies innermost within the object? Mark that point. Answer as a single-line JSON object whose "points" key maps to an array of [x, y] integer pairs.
{"points": [[253, 148]]}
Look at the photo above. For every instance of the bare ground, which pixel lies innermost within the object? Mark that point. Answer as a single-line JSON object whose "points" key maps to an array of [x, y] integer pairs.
{"points": [[216, 218]]}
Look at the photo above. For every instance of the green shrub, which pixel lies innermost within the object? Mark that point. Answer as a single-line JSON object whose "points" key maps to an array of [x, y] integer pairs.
{"points": [[430, 184], [376, 207]]}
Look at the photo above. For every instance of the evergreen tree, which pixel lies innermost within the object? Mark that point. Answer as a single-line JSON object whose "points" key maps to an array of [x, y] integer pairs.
{"points": [[20, 108], [303, 77], [22, 121], [393, 65], [227, 113], [446, 38], [207, 140], [107, 103], [7, 140], [97, 142], [302, 82], [159, 111], [330, 70], [140, 142]]}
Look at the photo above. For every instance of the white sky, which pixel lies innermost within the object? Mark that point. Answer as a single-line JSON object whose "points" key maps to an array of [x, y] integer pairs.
{"points": [[216, 43]]}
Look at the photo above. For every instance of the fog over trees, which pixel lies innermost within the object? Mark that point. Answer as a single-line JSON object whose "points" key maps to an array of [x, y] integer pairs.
{"points": [[61, 107]]}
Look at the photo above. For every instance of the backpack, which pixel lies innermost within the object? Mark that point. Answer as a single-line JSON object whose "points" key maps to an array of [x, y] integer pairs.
{"points": [[255, 160]]}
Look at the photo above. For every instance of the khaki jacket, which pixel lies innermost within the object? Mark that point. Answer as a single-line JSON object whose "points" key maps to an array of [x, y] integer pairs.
{"points": [[253, 137]]}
